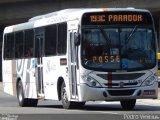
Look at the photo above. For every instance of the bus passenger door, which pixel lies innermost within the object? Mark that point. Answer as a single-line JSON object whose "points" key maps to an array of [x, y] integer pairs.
{"points": [[72, 58], [39, 48]]}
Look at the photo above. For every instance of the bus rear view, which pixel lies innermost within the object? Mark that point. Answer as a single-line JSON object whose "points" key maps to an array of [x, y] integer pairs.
{"points": [[119, 56]]}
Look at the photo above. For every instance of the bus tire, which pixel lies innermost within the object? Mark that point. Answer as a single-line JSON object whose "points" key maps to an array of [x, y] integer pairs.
{"points": [[65, 103], [24, 102], [79, 104], [128, 104]]}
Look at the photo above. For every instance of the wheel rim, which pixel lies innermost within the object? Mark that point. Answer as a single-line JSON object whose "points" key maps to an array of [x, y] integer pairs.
{"points": [[20, 96]]}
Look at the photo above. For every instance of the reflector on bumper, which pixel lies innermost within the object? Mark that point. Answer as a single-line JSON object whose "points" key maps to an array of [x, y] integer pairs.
{"points": [[149, 92]]}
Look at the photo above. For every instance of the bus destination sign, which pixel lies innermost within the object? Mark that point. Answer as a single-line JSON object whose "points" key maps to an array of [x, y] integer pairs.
{"points": [[116, 18], [107, 18]]}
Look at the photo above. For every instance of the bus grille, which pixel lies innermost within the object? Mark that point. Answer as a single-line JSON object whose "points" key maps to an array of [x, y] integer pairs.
{"points": [[125, 84], [130, 76], [119, 79], [121, 92]]}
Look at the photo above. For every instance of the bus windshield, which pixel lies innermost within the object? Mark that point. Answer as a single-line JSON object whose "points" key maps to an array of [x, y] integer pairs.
{"points": [[129, 48]]}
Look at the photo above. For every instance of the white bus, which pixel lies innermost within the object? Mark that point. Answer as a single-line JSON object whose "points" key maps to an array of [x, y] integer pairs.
{"points": [[80, 55]]}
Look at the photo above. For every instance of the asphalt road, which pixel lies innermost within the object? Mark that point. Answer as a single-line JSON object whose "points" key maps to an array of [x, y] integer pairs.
{"points": [[52, 110]]}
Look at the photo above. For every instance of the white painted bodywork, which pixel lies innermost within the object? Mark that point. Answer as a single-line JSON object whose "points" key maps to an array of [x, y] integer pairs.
{"points": [[52, 70]]}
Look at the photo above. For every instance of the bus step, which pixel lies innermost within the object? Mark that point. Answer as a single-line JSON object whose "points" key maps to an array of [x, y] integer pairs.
{"points": [[41, 96]]}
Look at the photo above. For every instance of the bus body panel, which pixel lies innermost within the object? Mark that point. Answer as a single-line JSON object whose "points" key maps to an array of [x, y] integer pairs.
{"points": [[24, 70], [51, 75], [8, 82]]}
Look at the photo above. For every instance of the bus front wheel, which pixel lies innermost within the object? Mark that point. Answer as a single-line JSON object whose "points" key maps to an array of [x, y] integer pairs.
{"points": [[128, 104], [64, 97], [24, 102]]}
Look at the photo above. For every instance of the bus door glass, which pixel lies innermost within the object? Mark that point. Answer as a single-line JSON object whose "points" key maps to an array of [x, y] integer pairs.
{"points": [[39, 48], [73, 64]]}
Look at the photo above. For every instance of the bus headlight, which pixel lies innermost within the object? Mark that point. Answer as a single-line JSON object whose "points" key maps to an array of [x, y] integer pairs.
{"points": [[91, 81], [149, 81]]}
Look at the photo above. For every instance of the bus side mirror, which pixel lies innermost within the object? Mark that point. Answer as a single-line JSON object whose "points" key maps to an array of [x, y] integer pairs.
{"points": [[77, 39]]}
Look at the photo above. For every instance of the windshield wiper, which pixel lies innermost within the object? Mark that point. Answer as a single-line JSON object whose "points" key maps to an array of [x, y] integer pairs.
{"points": [[131, 34], [107, 38]]}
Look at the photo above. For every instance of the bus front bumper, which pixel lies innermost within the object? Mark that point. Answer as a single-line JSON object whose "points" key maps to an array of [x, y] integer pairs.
{"points": [[87, 93]]}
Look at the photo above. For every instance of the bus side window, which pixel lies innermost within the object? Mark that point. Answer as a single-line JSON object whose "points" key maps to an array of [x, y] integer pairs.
{"points": [[62, 39], [28, 43], [5, 48], [9, 46], [19, 44], [50, 40]]}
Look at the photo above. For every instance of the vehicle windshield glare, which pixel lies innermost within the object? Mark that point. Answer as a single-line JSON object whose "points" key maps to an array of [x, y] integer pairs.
{"points": [[120, 48]]}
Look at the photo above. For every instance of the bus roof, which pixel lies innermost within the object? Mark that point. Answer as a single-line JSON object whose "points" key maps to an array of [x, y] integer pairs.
{"points": [[81, 11], [61, 16]]}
